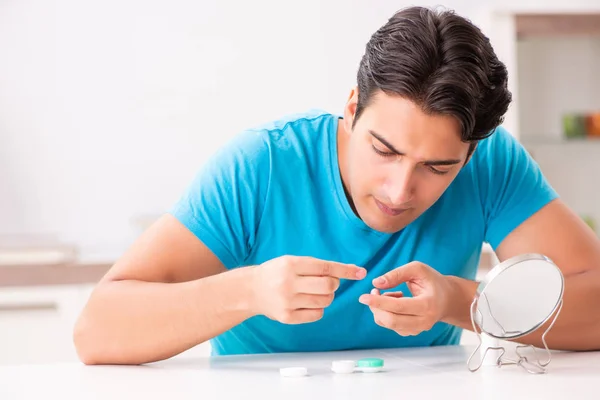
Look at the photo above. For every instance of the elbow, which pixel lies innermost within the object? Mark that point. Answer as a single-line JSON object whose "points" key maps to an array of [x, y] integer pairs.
{"points": [[89, 334], [86, 346], [95, 345]]}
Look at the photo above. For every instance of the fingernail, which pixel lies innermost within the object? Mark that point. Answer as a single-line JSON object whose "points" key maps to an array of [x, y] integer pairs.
{"points": [[363, 299], [361, 273], [379, 281], [374, 291]]}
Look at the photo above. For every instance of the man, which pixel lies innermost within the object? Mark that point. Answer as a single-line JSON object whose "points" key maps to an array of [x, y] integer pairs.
{"points": [[319, 232]]}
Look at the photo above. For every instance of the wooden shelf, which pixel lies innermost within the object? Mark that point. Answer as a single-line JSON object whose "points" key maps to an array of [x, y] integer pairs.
{"points": [[549, 25], [555, 141], [45, 275]]}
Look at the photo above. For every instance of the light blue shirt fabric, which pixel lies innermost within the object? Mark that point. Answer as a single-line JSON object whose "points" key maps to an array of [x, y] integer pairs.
{"points": [[276, 190]]}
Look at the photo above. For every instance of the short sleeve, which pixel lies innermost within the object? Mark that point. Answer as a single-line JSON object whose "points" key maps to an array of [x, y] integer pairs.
{"points": [[223, 205], [512, 186]]}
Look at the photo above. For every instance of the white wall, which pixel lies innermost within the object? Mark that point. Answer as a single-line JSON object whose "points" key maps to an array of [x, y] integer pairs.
{"points": [[107, 109], [558, 76]]}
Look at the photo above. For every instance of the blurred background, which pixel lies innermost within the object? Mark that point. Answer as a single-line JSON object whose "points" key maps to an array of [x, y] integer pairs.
{"points": [[108, 109]]}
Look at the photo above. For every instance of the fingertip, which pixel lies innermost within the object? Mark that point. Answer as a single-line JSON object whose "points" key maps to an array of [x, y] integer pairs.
{"points": [[364, 299], [361, 273], [380, 282]]}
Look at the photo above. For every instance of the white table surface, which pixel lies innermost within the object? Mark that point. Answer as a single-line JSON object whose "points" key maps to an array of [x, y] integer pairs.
{"points": [[417, 373]]}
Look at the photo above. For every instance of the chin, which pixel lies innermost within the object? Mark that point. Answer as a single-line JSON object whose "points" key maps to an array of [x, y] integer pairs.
{"points": [[386, 224], [389, 227]]}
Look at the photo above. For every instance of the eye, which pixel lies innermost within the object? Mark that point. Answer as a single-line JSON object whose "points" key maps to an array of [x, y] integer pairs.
{"points": [[383, 153], [437, 171]]}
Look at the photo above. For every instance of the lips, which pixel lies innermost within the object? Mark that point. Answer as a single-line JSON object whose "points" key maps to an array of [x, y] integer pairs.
{"points": [[388, 210]]}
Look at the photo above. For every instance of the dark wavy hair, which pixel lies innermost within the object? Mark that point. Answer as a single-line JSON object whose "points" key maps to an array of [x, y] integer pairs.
{"points": [[442, 62]]}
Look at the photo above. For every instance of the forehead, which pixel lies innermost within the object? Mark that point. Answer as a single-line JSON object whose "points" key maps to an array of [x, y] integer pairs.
{"points": [[404, 125]]}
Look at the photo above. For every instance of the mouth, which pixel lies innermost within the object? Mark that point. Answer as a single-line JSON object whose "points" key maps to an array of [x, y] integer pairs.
{"points": [[389, 210]]}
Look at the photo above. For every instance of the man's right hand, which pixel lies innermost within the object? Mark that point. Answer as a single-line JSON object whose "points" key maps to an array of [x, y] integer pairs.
{"points": [[296, 290]]}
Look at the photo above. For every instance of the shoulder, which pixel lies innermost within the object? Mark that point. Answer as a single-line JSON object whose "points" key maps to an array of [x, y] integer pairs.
{"points": [[512, 186], [294, 143], [258, 143], [500, 143], [289, 129], [502, 163], [310, 117], [488, 162], [273, 150], [500, 158]]}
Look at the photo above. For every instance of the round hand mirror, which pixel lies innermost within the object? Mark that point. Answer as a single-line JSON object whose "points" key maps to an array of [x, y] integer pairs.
{"points": [[516, 298]]}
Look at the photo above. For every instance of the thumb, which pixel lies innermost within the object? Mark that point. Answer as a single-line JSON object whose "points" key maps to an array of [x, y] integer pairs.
{"points": [[399, 275]]}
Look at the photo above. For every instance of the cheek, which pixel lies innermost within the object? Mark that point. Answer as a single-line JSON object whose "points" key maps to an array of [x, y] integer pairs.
{"points": [[364, 170], [370, 176], [429, 190]]}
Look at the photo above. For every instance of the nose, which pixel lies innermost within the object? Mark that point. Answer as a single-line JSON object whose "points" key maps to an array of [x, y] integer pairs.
{"points": [[400, 185]]}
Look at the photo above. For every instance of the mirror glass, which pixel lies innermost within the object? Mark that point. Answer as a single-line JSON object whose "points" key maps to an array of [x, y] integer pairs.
{"points": [[518, 296]]}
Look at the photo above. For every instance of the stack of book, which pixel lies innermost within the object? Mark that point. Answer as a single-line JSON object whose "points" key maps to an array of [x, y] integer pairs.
{"points": [[581, 125]]}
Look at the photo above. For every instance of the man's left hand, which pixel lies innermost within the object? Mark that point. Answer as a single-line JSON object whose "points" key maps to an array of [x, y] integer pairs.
{"points": [[408, 316]]}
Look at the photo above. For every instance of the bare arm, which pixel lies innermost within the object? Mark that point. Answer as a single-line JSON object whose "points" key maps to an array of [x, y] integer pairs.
{"points": [[154, 302], [559, 234], [170, 292]]}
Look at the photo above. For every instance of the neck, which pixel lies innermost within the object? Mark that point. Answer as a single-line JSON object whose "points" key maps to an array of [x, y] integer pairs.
{"points": [[342, 146]]}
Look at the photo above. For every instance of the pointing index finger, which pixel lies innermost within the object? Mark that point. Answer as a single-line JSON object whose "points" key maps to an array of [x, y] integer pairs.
{"points": [[330, 268]]}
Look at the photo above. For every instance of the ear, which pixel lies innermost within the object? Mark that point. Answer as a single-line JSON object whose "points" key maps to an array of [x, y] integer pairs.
{"points": [[350, 109]]}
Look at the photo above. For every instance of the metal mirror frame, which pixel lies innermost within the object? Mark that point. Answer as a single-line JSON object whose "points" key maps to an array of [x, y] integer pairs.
{"points": [[536, 367]]}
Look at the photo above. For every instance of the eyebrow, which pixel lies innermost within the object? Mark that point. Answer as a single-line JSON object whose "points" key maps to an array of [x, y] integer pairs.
{"points": [[428, 162]]}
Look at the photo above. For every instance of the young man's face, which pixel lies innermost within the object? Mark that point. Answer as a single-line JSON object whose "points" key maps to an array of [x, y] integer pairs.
{"points": [[397, 161]]}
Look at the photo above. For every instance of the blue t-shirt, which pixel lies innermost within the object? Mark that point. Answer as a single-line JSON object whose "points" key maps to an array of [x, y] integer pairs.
{"points": [[276, 190]]}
